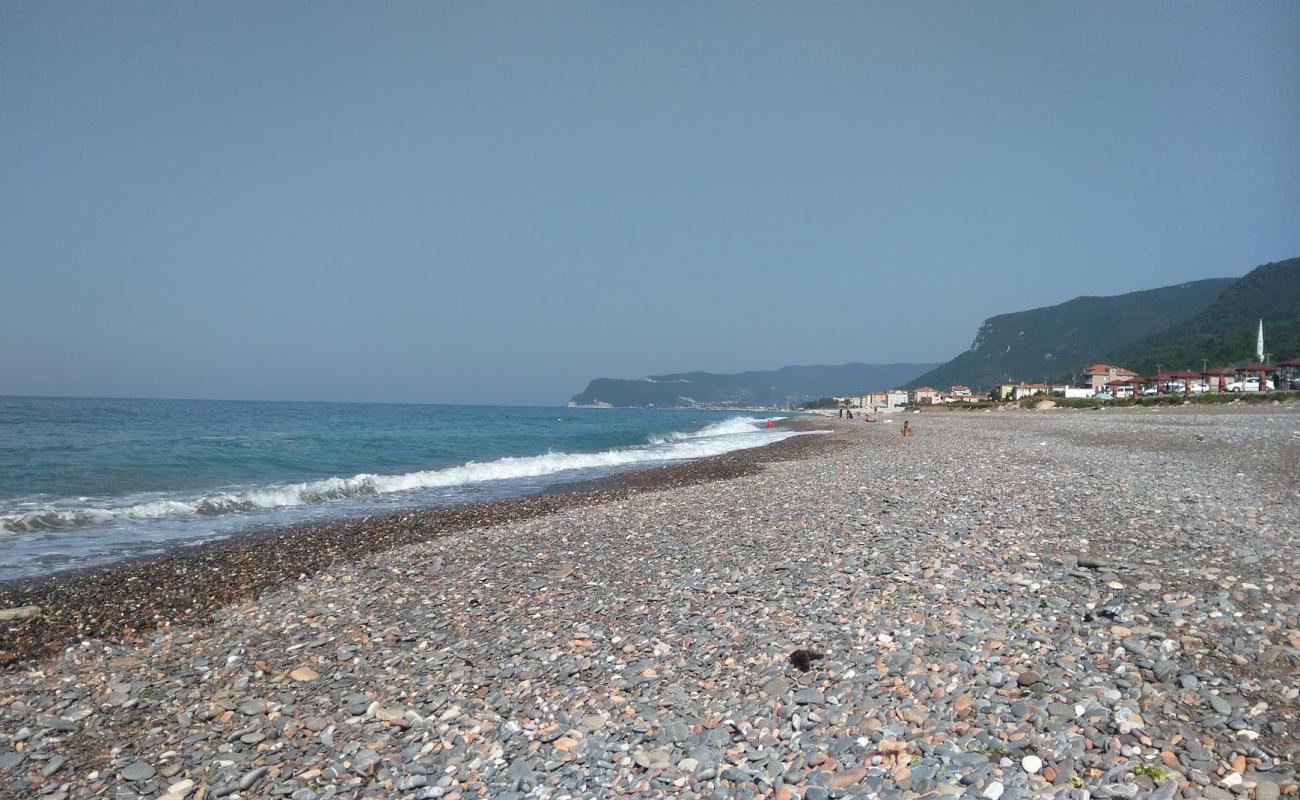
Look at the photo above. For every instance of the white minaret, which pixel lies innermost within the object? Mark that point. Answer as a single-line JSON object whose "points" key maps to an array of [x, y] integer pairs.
{"points": [[1259, 344]]}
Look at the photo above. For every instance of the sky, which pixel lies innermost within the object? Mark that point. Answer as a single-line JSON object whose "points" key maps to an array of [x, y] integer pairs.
{"points": [[493, 202]]}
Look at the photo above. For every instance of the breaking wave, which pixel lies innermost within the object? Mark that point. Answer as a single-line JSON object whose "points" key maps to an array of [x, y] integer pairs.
{"points": [[737, 433]]}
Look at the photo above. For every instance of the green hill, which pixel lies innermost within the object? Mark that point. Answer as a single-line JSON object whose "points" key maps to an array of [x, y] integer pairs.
{"points": [[757, 388], [1059, 339], [1224, 333]]}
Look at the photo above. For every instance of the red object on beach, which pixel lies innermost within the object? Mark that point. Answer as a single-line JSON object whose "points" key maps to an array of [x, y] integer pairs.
{"points": [[769, 423]]}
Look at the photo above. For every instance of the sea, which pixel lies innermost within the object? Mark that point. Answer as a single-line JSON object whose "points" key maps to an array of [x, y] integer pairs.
{"points": [[85, 481]]}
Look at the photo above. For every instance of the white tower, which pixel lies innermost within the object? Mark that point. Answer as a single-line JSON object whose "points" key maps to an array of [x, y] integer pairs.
{"points": [[1259, 344]]}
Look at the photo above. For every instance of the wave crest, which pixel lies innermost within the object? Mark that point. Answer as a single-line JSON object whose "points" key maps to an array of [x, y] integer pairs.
{"points": [[737, 433]]}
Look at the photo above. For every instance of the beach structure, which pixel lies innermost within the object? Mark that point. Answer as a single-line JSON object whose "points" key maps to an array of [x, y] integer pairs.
{"points": [[1291, 366], [1217, 378], [1186, 378], [1126, 387], [1259, 367]]}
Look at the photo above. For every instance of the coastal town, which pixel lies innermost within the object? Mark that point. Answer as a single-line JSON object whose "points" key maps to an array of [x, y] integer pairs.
{"points": [[1100, 382]]}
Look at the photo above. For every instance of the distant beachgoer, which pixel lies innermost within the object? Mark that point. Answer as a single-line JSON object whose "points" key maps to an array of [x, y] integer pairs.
{"points": [[769, 423], [849, 412], [907, 428], [841, 412]]}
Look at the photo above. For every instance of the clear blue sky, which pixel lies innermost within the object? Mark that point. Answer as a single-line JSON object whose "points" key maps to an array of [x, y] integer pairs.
{"points": [[494, 202]]}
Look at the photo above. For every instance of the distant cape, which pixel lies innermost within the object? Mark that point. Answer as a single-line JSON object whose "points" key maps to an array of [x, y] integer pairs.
{"points": [[769, 388]]}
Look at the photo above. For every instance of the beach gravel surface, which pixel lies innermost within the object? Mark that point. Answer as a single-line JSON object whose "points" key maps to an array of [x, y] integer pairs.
{"points": [[1048, 603]]}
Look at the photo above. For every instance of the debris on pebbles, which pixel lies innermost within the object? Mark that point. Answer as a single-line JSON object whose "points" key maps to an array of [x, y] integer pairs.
{"points": [[1114, 614]]}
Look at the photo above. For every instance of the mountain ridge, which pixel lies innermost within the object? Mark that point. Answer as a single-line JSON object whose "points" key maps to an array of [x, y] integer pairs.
{"points": [[776, 387], [1225, 332], [1053, 340]]}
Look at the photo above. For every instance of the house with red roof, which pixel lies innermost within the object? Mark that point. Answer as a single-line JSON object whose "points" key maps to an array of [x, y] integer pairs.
{"points": [[1098, 375]]}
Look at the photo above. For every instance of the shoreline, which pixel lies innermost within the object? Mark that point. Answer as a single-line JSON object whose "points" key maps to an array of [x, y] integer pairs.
{"points": [[185, 585], [1002, 606]]}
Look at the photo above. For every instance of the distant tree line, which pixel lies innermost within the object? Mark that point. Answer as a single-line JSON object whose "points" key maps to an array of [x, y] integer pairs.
{"points": [[821, 402]]}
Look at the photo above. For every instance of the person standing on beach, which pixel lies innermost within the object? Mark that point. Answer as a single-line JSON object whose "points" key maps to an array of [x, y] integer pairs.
{"points": [[907, 428]]}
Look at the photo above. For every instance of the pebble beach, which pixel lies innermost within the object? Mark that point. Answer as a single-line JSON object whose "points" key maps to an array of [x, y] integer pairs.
{"points": [[1057, 603]]}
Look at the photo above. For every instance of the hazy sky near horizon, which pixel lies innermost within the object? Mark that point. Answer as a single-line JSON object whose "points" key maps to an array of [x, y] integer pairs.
{"points": [[494, 202]]}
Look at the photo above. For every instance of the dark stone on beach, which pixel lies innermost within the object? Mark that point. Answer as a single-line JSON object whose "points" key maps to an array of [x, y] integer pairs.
{"points": [[1029, 677], [1092, 562], [252, 707], [10, 760], [137, 771], [803, 659], [55, 723], [251, 778]]}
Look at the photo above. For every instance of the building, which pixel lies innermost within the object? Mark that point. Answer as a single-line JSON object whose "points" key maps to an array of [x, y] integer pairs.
{"points": [[1098, 375], [1017, 391], [876, 400], [959, 391], [925, 396], [895, 398]]}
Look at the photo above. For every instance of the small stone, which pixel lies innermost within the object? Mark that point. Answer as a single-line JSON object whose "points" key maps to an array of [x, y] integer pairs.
{"points": [[137, 771], [389, 713], [1267, 790], [304, 674], [1031, 764], [1219, 705], [251, 778], [56, 723], [251, 707], [993, 791], [1029, 678], [847, 778], [1092, 562]]}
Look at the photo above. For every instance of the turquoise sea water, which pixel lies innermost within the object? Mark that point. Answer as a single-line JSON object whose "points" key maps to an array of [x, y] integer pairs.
{"points": [[85, 481]]}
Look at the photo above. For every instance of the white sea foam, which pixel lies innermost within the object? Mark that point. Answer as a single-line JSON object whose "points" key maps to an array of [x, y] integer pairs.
{"points": [[737, 433]]}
